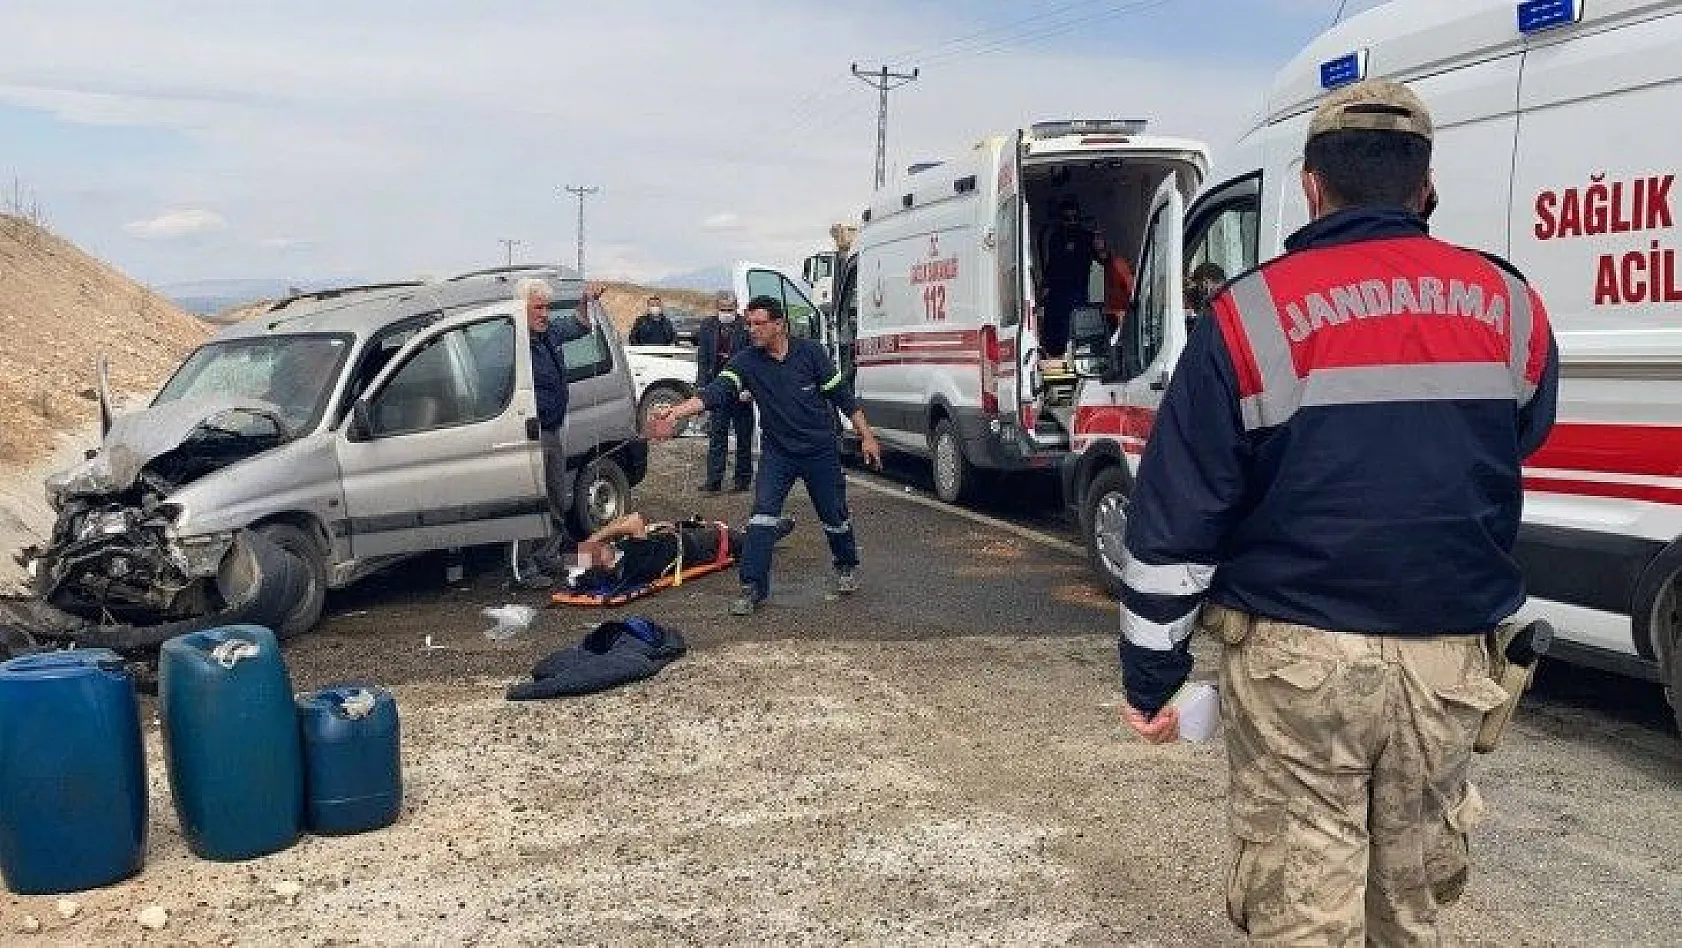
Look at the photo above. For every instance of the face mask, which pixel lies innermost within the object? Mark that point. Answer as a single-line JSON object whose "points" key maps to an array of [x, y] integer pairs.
{"points": [[726, 317], [654, 311]]}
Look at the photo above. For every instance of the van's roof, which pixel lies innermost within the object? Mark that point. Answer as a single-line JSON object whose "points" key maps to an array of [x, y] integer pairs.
{"points": [[364, 310], [1405, 39]]}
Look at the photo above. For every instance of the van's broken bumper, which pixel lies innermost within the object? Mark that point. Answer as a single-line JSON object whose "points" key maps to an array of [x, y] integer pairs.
{"points": [[258, 580]]}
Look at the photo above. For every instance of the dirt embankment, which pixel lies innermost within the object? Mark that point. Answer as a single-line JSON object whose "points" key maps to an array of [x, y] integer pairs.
{"points": [[59, 309]]}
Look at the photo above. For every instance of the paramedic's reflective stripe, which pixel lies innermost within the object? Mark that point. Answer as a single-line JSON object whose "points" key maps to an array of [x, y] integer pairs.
{"points": [[1178, 579], [830, 385], [844, 526], [735, 379], [764, 520], [1521, 321], [1156, 636]]}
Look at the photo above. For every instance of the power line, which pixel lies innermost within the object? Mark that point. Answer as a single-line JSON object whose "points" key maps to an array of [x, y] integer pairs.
{"points": [[883, 82], [582, 192], [1338, 16]]}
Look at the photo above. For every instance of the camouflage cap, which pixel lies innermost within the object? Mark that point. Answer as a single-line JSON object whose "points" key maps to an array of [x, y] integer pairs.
{"points": [[1377, 105]]}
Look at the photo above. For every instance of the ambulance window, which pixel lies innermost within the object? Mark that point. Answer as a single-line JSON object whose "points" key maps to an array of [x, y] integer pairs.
{"points": [[802, 315], [1009, 263], [1223, 235]]}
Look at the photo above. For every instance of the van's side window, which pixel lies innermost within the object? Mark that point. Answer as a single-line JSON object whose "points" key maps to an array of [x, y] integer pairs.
{"points": [[802, 315], [1008, 228], [464, 376]]}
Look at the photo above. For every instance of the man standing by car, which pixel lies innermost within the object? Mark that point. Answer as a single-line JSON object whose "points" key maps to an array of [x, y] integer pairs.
{"points": [[1340, 496], [798, 391], [720, 337], [652, 328], [549, 382]]}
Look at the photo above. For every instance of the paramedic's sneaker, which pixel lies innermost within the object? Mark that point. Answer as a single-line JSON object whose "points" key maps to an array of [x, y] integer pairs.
{"points": [[846, 581], [746, 603]]}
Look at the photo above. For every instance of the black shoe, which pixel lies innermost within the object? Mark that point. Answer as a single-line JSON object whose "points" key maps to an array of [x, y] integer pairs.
{"points": [[746, 603], [785, 526], [711, 489], [741, 488]]}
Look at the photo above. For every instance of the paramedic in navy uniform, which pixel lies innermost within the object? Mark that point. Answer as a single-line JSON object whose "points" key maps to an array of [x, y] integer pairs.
{"points": [[798, 391]]}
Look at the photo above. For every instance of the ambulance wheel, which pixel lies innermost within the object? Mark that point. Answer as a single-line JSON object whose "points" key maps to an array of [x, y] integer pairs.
{"points": [[1104, 521], [955, 478], [1667, 627]]}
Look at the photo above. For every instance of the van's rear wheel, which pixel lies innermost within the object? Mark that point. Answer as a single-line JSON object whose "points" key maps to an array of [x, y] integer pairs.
{"points": [[955, 478], [1104, 521], [601, 495], [662, 396], [298, 544]]}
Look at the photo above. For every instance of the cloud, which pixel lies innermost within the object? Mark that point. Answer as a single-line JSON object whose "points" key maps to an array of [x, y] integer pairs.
{"points": [[722, 221], [417, 142], [173, 225]]}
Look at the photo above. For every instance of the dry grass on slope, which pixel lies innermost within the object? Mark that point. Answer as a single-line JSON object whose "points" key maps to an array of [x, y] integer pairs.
{"points": [[59, 310]]}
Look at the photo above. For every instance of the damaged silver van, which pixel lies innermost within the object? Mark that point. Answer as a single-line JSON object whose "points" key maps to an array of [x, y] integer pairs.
{"points": [[335, 434]]}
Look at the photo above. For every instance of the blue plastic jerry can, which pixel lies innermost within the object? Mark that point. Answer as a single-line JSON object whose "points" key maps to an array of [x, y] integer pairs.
{"points": [[231, 742], [72, 772], [353, 768]]}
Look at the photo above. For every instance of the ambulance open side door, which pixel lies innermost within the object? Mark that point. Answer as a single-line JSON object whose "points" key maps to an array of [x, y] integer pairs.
{"points": [[1153, 332]]}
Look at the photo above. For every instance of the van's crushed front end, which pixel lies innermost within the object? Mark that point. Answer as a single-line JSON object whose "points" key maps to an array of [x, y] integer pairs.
{"points": [[116, 572]]}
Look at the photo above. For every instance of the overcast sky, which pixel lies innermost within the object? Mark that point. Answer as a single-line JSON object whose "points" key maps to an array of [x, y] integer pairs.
{"points": [[313, 139]]}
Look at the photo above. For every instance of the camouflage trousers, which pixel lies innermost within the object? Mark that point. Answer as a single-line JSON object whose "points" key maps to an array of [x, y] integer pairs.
{"points": [[1350, 803]]}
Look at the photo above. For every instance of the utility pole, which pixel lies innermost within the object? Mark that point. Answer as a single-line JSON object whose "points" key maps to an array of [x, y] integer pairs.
{"points": [[510, 245], [582, 192], [883, 81]]}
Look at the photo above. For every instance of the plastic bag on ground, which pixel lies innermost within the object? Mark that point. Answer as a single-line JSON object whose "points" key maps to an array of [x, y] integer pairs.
{"points": [[510, 620]]}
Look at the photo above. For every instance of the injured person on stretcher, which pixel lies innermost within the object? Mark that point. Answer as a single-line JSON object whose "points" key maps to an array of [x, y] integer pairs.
{"points": [[631, 553]]}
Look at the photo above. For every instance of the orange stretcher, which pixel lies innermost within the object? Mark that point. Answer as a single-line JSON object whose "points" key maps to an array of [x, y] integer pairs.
{"points": [[675, 575]]}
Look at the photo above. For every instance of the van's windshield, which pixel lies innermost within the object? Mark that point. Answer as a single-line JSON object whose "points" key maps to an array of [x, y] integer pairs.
{"points": [[295, 373]]}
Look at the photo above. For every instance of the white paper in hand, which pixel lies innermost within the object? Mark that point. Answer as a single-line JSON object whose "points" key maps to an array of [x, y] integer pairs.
{"points": [[1199, 705]]}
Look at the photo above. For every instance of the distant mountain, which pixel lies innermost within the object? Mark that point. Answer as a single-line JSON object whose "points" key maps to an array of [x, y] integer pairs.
{"points": [[708, 280], [205, 297]]}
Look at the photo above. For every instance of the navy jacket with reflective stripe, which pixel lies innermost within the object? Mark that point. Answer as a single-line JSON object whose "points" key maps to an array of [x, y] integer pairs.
{"points": [[1341, 445], [797, 397]]}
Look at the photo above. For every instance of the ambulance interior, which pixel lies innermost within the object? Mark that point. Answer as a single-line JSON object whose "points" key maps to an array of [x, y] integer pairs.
{"points": [[1114, 194]]}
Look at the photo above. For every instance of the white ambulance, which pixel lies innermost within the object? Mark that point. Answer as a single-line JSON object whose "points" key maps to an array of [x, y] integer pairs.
{"points": [[936, 301], [1554, 150]]}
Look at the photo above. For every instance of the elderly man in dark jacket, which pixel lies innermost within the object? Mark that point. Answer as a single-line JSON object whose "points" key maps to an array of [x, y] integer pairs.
{"points": [[722, 335], [549, 380]]}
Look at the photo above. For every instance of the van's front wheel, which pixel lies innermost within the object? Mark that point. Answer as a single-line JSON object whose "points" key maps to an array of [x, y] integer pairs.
{"points": [[954, 476], [1104, 520]]}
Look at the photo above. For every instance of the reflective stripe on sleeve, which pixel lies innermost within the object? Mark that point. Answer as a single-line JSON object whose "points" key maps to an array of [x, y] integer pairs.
{"points": [[1156, 636], [735, 379], [831, 385], [1175, 579]]}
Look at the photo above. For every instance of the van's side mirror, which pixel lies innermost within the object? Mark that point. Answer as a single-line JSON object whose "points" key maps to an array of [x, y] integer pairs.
{"points": [[1089, 342], [361, 426]]}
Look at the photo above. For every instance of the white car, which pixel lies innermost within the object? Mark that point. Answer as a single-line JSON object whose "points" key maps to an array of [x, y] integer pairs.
{"points": [[664, 375]]}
